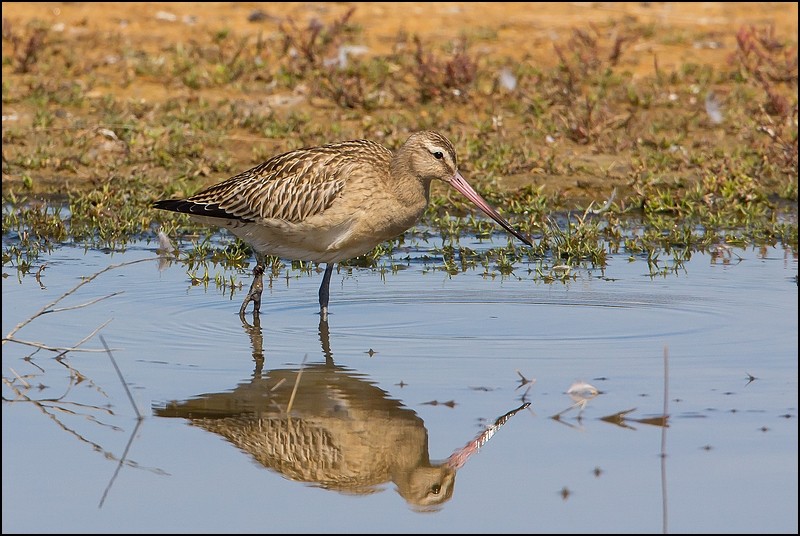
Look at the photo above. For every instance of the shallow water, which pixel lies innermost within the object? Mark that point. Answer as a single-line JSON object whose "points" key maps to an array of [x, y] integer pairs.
{"points": [[349, 425]]}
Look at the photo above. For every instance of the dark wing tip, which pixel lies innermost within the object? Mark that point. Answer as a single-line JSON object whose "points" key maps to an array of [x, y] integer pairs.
{"points": [[168, 204], [197, 209]]}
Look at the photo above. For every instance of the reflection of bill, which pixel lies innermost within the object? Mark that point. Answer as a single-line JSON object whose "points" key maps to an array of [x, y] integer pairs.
{"points": [[331, 427], [459, 457]]}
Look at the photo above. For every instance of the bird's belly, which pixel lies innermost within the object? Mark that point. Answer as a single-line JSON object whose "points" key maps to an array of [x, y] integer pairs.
{"points": [[318, 239]]}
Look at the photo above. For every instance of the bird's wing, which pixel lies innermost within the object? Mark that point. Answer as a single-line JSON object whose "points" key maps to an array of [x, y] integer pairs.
{"points": [[290, 187]]}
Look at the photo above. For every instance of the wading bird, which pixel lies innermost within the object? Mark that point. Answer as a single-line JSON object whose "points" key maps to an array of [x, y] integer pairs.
{"points": [[330, 203]]}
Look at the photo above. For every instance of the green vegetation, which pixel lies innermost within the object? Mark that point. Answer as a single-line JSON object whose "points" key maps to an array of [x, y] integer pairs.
{"points": [[691, 160]]}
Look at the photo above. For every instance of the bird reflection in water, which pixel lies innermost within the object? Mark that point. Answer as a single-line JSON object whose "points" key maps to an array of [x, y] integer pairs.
{"points": [[329, 426]]}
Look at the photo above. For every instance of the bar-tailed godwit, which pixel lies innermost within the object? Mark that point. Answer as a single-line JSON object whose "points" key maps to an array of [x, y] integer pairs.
{"points": [[330, 203]]}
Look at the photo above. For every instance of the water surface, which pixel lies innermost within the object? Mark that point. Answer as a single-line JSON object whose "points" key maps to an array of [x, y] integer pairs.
{"points": [[371, 422]]}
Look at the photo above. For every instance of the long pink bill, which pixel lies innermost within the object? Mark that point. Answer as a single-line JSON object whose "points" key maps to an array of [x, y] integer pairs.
{"points": [[460, 183]]}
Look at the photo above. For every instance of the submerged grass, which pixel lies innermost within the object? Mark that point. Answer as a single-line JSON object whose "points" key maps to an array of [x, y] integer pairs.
{"points": [[681, 161]]}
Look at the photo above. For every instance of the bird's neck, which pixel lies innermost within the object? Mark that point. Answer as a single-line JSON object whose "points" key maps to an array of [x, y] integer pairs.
{"points": [[409, 189]]}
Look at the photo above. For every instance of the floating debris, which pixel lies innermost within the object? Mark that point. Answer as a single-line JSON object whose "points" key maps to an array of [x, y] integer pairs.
{"points": [[449, 403], [582, 389]]}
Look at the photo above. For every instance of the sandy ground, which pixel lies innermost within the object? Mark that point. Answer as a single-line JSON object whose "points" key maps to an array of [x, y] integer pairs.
{"points": [[700, 33], [704, 32]]}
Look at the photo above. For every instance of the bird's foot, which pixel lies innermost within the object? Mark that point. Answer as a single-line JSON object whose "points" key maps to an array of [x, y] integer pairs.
{"points": [[254, 294]]}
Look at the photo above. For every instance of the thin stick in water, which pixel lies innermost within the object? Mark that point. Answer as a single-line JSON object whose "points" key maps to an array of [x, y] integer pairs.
{"points": [[121, 378]]}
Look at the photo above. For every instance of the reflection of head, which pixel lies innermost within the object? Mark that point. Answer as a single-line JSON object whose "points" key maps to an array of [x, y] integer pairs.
{"points": [[426, 488]]}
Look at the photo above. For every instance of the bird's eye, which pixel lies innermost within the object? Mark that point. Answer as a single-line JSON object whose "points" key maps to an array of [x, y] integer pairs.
{"points": [[436, 488], [438, 155]]}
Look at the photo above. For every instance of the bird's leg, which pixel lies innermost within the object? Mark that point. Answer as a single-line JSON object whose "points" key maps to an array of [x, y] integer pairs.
{"points": [[257, 343], [256, 287], [324, 292]]}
